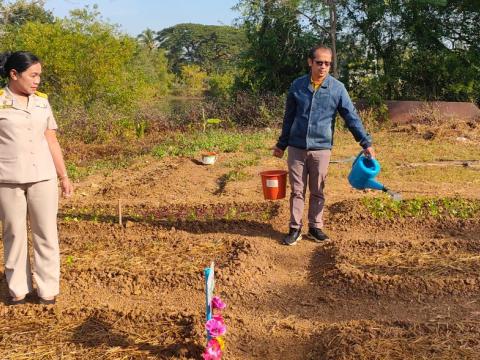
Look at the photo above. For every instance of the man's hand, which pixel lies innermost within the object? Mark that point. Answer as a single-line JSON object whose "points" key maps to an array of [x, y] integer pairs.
{"points": [[369, 152], [277, 152]]}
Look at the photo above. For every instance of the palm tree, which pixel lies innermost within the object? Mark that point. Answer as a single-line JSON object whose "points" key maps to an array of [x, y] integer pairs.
{"points": [[148, 39]]}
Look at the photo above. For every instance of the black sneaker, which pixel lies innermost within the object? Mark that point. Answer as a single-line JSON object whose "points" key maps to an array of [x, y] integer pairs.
{"points": [[317, 235], [293, 236], [43, 301], [13, 302]]}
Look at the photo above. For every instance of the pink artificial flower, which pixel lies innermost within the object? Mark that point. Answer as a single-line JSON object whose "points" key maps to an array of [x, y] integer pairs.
{"points": [[220, 341], [213, 343], [215, 327], [213, 351], [219, 318], [217, 303]]}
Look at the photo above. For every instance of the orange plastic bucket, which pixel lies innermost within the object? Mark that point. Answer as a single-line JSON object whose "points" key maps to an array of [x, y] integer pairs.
{"points": [[274, 183]]}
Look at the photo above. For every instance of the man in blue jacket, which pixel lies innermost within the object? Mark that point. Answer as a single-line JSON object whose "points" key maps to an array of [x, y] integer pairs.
{"points": [[312, 104]]}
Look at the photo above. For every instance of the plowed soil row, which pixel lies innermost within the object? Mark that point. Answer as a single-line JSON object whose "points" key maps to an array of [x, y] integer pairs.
{"points": [[401, 288]]}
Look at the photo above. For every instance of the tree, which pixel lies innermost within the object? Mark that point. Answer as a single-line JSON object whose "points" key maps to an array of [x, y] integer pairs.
{"points": [[213, 48], [148, 39], [332, 10], [22, 11], [323, 18], [278, 45], [88, 62], [426, 49], [193, 79]]}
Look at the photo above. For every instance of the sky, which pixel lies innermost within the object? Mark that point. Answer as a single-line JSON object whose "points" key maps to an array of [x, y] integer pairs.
{"points": [[135, 16]]}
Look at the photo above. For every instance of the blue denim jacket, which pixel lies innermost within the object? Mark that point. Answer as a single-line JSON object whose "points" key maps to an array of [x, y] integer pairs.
{"points": [[309, 120]]}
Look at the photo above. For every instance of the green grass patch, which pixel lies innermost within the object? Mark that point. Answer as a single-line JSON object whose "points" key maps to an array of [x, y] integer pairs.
{"points": [[77, 172], [423, 207], [236, 175], [243, 162], [225, 141]]}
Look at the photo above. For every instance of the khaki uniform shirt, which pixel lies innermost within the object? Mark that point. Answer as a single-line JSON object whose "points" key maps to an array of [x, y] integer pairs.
{"points": [[24, 153]]}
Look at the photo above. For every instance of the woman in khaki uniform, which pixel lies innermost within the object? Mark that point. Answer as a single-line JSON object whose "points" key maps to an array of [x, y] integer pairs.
{"points": [[30, 160]]}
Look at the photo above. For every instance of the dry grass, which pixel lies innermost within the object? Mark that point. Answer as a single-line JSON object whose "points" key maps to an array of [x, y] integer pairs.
{"points": [[38, 333], [148, 260], [368, 340], [144, 256], [414, 259]]}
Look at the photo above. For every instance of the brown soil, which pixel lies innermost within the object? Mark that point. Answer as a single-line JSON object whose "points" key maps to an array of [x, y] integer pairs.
{"points": [[381, 289]]}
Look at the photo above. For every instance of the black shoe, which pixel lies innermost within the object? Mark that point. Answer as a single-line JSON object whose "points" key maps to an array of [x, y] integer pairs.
{"points": [[12, 302], [42, 301], [317, 235], [293, 236]]}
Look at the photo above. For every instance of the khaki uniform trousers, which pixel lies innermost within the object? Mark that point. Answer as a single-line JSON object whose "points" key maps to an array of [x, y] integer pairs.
{"points": [[39, 201]]}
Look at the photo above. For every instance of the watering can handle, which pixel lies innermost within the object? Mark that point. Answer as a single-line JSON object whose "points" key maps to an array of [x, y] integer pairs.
{"points": [[358, 156]]}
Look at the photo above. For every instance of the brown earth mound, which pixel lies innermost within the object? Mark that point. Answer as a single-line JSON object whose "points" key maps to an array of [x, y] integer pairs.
{"points": [[398, 340], [99, 333]]}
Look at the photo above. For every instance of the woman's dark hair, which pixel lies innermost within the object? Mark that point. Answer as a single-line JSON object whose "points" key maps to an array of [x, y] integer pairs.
{"points": [[18, 60]]}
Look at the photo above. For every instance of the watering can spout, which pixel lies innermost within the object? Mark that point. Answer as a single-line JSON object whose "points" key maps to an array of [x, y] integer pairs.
{"points": [[372, 184]]}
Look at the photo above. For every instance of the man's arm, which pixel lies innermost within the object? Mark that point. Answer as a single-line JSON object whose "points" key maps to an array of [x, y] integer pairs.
{"points": [[354, 123], [290, 110]]}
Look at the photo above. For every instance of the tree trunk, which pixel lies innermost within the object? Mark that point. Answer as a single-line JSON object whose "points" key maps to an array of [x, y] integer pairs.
{"points": [[332, 8]]}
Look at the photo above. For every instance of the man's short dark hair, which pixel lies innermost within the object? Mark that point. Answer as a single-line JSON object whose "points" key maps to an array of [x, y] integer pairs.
{"points": [[313, 50]]}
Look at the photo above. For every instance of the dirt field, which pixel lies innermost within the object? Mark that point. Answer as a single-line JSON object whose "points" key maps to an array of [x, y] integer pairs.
{"points": [[385, 287]]}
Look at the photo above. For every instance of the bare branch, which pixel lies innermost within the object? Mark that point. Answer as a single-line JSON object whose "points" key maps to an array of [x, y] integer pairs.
{"points": [[313, 22]]}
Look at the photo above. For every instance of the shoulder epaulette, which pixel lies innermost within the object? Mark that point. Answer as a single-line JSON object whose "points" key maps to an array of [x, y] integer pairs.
{"points": [[1, 92], [42, 95]]}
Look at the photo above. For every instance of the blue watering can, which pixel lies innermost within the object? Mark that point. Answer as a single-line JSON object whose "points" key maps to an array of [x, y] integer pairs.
{"points": [[362, 175]]}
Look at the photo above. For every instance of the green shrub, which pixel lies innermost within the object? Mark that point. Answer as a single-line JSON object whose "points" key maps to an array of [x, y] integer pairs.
{"points": [[193, 80], [220, 85], [95, 76]]}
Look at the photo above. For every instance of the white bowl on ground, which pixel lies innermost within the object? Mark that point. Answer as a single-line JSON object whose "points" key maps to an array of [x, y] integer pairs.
{"points": [[209, 158]]}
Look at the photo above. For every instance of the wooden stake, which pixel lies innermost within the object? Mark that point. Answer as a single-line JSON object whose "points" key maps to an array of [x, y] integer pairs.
{"points": [[120, 212]]}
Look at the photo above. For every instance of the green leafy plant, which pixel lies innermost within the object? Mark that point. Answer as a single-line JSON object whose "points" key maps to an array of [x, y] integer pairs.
{"points": [[422, 207], [69, 260], [208, 122], [140, 128]]}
